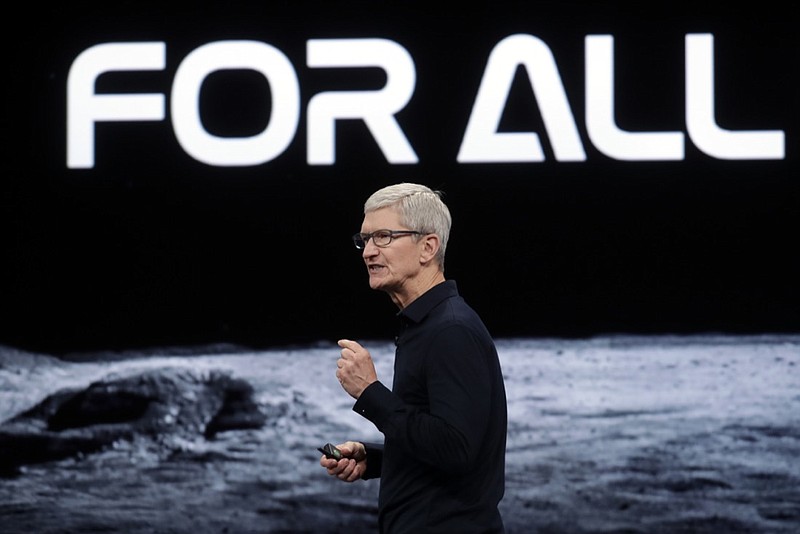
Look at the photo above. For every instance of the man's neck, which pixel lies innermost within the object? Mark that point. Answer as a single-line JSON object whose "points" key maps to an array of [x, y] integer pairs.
{"points": [[419, 287]]}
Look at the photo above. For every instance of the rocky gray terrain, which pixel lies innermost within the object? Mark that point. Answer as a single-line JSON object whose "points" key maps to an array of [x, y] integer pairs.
{"points": [[649, 435]]}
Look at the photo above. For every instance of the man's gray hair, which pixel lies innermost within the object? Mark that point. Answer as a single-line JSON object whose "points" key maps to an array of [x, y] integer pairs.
{"points": [[420, 208]]}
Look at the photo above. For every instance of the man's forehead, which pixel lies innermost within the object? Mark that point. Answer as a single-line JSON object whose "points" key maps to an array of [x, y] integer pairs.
{"points": [[383, 218]]}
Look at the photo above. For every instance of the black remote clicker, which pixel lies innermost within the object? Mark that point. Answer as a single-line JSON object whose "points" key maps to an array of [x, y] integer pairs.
{"points": [[330, 451]]}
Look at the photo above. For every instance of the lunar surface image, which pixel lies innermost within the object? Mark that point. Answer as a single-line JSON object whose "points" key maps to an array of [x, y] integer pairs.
{"points": [[607, 434]]}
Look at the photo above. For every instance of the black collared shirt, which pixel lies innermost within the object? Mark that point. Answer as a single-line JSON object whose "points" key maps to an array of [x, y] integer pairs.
{"points": [[442, 464]]}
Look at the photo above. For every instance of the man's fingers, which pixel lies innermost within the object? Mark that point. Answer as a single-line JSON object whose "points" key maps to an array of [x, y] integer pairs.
{"points": [[351, 351], [346, 474], [347, 344], [329, 465], [349, 448]]}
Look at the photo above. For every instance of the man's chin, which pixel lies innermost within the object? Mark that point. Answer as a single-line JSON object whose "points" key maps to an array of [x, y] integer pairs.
{"points": [[375, 283], [379, 283]]}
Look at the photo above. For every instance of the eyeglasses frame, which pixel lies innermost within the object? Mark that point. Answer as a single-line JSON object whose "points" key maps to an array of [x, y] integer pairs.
{"points": [[392, 234]]}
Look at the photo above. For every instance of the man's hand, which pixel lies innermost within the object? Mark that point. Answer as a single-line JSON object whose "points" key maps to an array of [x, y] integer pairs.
{"points": [[352, 465], [355, 369]]}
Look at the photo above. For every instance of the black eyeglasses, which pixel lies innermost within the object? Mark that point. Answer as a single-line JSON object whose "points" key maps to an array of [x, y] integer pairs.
{"points": [[381, 238]]}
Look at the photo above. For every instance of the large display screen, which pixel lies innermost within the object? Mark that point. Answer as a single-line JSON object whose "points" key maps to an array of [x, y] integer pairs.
{"points": [[183, 176]]}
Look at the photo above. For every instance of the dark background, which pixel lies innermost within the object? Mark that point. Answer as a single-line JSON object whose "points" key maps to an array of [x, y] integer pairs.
{"points": [[152, 248]]}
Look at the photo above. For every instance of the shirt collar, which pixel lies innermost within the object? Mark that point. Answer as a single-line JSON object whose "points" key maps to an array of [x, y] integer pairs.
{"points": [[422, 305]]}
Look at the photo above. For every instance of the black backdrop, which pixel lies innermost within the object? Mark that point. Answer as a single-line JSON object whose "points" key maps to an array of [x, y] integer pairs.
{"points": [[151, 247]]}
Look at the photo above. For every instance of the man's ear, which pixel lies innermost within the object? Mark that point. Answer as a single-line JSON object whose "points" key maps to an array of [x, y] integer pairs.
{"points": [[430, 247]]}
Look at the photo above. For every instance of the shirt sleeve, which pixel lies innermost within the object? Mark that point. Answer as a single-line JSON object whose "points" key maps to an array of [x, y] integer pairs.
{"points": [[374, 460], [449, 435]]}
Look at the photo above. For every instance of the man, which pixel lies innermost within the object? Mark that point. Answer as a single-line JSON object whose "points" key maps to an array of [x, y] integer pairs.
{"points": [[442, 463]]}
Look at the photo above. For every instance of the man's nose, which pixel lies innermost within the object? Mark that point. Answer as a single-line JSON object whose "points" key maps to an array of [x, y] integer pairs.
{"points": [[370, 248]]}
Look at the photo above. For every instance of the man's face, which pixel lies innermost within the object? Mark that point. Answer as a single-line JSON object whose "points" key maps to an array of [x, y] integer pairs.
{"points": [[392, 266]]}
